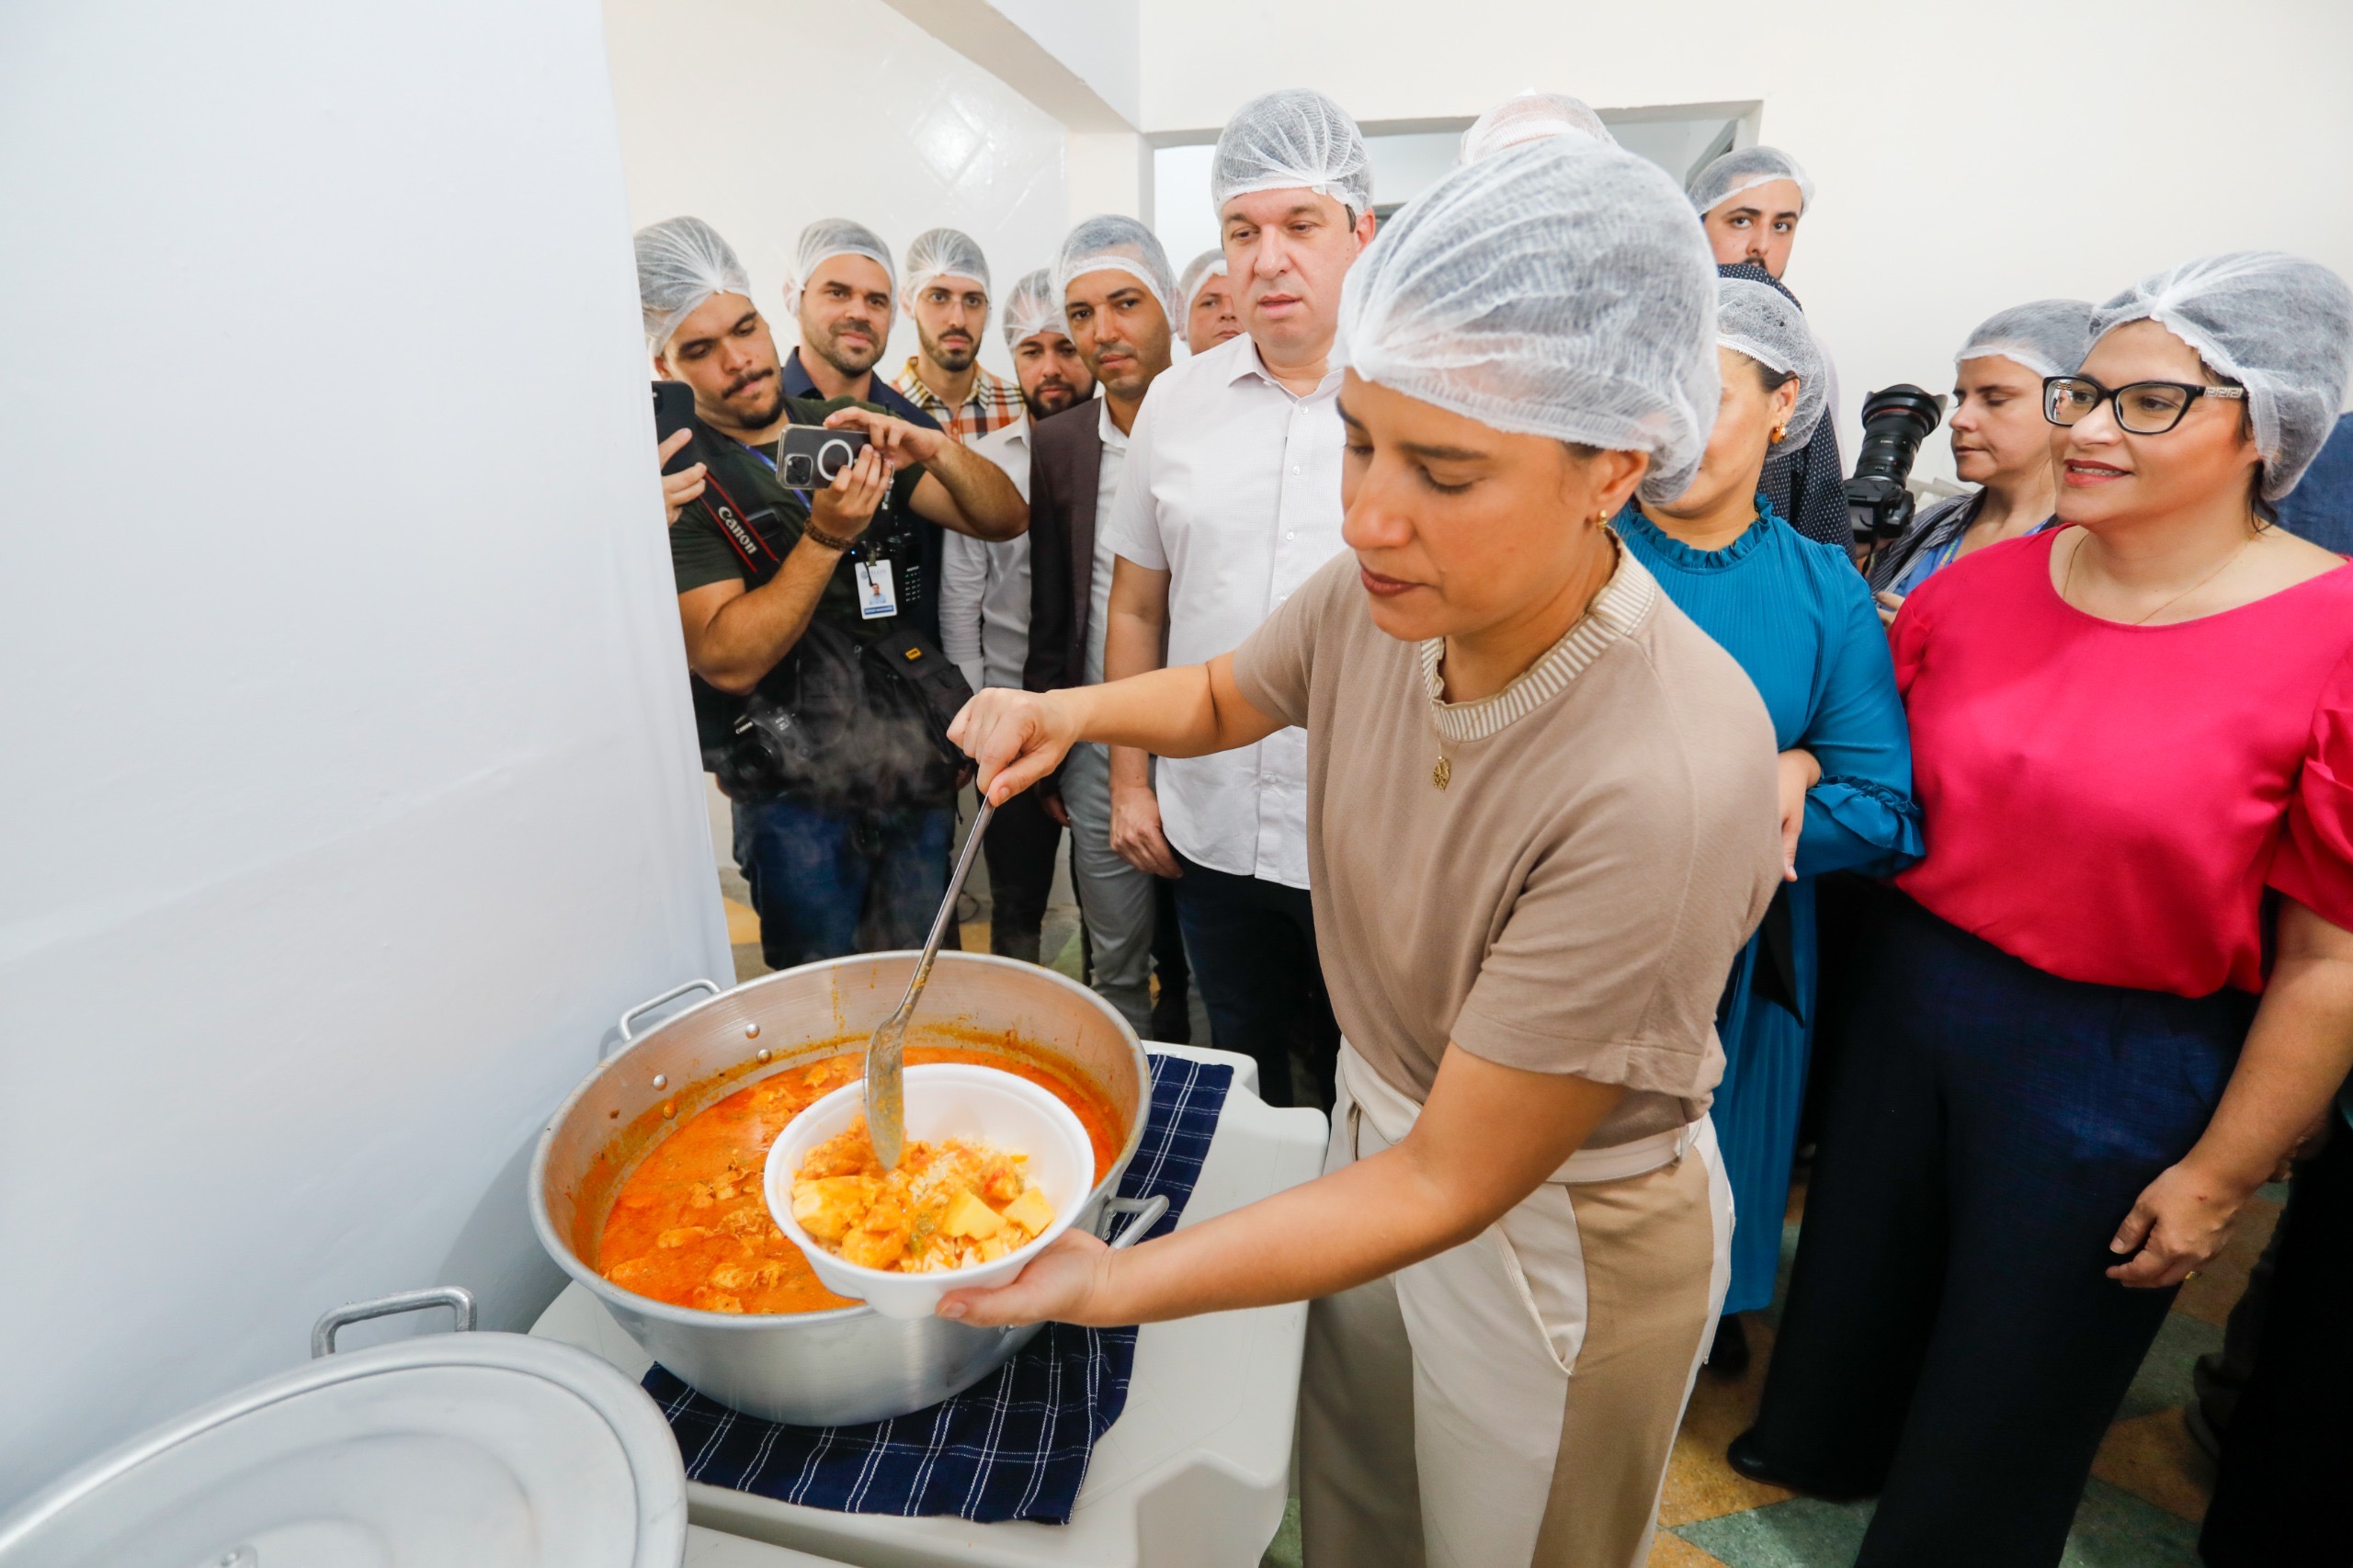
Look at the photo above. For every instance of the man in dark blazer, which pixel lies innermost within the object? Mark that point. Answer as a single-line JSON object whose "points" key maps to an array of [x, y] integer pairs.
{"points": [[1116, 288], [1065, 467]]}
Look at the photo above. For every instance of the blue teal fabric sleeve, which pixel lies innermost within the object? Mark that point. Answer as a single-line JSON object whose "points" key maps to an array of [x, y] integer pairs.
{"points": [[1861, 817]]}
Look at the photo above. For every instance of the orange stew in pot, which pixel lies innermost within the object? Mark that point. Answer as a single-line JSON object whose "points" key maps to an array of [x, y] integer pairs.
{"points": [[691, 1227]]}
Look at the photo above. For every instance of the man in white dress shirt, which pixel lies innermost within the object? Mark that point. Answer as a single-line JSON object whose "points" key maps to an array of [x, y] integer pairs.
{"points": [[1230, 502], [984, 609]]}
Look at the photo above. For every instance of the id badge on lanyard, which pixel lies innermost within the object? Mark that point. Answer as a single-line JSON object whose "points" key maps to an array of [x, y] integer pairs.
{"points": [[877, 596]]}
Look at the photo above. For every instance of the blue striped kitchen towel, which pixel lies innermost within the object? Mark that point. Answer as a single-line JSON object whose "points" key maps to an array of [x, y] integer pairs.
{"points": [[1014, 1445]]}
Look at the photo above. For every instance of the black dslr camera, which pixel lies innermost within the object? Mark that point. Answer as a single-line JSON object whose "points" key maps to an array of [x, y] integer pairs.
{"points": [[810, 456], [1894, 424]]}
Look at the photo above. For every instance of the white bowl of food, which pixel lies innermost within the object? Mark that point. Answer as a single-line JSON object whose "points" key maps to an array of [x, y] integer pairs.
{"points": [[995, 1167]]}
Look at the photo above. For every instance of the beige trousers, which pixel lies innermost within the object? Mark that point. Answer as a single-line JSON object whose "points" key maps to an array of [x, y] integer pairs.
{"points": [[1513, 1401]]}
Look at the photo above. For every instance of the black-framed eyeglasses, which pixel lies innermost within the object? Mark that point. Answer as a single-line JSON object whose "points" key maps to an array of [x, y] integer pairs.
{"points": [[2144, 408]]}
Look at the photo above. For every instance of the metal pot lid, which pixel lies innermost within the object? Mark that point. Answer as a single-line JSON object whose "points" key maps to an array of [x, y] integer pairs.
{"points": [[494, 1450]]}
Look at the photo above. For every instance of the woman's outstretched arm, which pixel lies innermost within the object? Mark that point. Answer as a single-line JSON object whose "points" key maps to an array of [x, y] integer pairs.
{"points": [[1018, 737]]}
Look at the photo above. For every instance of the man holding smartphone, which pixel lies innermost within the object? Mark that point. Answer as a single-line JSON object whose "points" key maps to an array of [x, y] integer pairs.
{"points": [[757, 562]]}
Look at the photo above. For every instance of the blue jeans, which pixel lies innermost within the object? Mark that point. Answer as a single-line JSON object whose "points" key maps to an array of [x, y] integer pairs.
{"points": [[829, 884]]}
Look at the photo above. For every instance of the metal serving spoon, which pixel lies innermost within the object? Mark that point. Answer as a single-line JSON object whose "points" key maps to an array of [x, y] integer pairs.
{"points": [[886, 1102]]}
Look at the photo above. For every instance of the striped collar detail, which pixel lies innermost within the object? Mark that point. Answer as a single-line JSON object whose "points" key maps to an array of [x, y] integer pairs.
{"points": [[1614, 613]]}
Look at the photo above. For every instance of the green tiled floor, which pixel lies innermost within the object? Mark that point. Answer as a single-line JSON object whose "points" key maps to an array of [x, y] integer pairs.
{"points": [[2113, 1529]]}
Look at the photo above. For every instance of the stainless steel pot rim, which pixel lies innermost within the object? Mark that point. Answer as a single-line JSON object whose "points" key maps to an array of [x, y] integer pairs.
{"points": [[764, 1322]]}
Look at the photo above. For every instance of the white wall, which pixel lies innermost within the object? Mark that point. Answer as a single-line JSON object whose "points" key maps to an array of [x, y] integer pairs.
{"points": [[1099, 41], [1969, 156], [348, 779], [761, 115]]}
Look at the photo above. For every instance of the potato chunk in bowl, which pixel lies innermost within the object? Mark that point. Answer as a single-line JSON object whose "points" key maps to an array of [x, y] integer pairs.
{"points": [[949, 1205]]}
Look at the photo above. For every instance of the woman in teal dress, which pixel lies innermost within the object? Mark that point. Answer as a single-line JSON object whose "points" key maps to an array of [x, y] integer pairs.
{"points": [[1799, 619]]}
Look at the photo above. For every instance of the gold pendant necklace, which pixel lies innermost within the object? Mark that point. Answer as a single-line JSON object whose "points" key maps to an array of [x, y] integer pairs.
{"points": [[1442, 773], [2067, 581]]}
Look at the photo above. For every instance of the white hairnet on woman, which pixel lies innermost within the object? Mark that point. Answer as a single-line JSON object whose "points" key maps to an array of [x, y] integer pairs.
{"points": [[1110, 241], [2276, 324], [1202, 269], [1293, 139], [830, 237], [942, 253], [1761, 321], [681, 262], [1750, 166], [1034, 306], [2001, 445], [2047, 337], [1530, 117], [1560, 288]]}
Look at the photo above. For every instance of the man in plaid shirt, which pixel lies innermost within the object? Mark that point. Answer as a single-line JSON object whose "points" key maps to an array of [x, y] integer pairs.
{"points": [[947, 293]]}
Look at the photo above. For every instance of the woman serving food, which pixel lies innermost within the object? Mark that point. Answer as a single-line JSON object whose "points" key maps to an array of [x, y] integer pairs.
{"points": [[1542, 822]]}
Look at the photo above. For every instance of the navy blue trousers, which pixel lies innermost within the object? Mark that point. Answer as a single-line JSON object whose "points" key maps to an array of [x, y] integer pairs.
{"points": [[1253, 948], [1951, 1341]]}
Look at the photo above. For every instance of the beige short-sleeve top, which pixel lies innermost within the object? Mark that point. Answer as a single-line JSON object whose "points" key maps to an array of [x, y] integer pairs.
{"points": [[1573, 898]]}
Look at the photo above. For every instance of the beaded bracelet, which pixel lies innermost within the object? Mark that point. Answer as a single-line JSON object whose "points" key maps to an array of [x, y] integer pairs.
{"points": [[839, 546]]}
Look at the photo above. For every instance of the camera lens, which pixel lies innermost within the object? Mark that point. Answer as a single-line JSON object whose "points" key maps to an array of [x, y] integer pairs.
{"points": [[1894, 424], [800, 468]]}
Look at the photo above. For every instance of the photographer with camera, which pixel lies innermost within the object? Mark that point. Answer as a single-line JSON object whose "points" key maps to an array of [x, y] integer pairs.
{"points": [[2001, 443], [822, 711], [843, 294]]}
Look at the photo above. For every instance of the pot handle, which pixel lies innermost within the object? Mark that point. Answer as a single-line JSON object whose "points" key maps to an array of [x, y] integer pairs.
{"points": [[653, 1002], [1147, 1212], [458, 1300]]}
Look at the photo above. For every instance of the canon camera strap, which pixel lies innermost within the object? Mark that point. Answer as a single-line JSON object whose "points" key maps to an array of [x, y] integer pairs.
{"points": [[742, 536]]}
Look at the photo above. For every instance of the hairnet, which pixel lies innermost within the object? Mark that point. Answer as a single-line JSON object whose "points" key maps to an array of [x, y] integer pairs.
{"points": [[681, 262], [830, 237], [1560, 289], [1109, 242], [943, 253], [1034, 306], [2278, 325], [1197, 271], [2047, 337], [1765, 324], [1727, 177], [1530, 117], [1296, 138]]}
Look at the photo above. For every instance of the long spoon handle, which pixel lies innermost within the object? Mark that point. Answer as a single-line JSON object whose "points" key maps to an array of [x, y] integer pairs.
{"points": [[946, 912], [886, 1112]]}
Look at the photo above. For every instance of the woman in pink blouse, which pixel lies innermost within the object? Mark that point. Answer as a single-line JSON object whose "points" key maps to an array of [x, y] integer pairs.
{"points": [[2120, 991]]}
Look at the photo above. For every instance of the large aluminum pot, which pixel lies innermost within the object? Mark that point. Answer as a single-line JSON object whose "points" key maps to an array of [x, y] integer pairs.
{"points": [[851, 1364]]}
